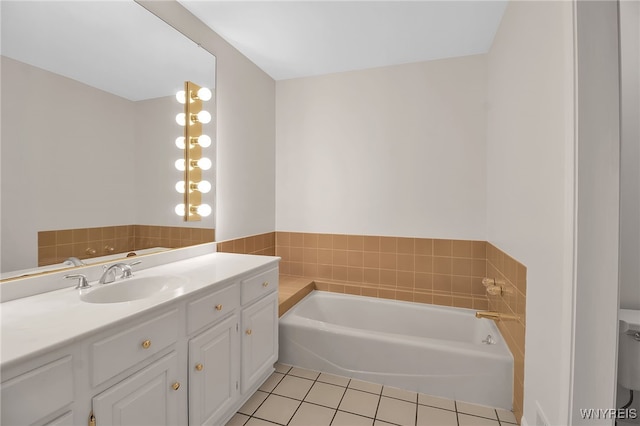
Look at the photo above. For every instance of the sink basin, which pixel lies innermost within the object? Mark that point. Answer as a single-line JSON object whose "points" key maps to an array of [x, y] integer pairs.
{"points": [[134, 288]]}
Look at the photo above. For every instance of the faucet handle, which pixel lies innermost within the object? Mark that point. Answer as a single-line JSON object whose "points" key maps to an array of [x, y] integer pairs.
{"points": [[126, 268], [82, 280]]}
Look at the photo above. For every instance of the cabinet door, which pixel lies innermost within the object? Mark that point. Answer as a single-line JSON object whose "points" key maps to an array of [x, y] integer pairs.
{"points": [[259, 340], [148, 397], [213, 372]]}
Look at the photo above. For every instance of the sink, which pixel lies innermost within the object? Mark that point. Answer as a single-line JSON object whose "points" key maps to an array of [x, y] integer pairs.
{"points": [[133, 288]]}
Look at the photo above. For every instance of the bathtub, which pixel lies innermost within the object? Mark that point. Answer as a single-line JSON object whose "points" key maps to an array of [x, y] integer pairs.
{"points": [[430, 349]]}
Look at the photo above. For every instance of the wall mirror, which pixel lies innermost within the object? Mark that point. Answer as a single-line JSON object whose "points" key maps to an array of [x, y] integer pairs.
{"points": [[88, 132]]}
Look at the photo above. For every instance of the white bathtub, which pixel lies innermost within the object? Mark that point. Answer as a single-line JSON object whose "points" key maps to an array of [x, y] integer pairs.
{"points": [[431, 349]]}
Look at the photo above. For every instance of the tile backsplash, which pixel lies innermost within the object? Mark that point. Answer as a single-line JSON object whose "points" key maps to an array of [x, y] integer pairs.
{"points": [[57, 245], [262, 244]]}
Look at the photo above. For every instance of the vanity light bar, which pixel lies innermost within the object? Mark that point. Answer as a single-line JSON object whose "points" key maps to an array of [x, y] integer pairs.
{"points": [[193, 151]]}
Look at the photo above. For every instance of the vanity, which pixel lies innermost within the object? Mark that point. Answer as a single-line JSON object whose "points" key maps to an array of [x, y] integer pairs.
{"points": [[187, 353]]}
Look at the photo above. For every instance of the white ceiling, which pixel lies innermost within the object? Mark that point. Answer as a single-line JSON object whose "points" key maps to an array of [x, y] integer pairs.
{"points": [[290, 39]]}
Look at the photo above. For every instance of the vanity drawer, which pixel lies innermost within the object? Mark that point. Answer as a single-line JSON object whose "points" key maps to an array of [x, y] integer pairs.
{"points": [[211, 308], [120, 351], [38, 393], [259, 285]]}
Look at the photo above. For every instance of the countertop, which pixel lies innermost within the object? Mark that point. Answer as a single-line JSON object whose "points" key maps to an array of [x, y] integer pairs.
{"points": [[33, 325]]}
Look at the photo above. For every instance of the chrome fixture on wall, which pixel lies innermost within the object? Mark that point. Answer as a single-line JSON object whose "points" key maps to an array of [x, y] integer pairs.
{"points": [[193, 163]]}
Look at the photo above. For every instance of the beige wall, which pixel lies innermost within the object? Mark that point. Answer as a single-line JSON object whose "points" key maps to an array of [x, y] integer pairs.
{"points": [[529, 184], [245, 97], [393, 151]]}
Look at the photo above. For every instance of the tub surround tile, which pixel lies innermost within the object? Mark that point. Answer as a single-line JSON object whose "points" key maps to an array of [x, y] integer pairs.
{"points": [[261, 244]]}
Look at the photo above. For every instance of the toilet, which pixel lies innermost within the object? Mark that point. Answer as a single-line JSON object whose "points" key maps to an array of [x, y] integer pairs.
{"points": [[629, 349]]}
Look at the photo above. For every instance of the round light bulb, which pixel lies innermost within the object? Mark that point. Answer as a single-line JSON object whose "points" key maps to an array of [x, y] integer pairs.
{"points": [[180, 164], [180, 187], [204, 210], [204, 117], [181, 97], [204, 94], [204, 186], [180, 209], [204, 163], [180, 142], [180, 119], [204, 141]]}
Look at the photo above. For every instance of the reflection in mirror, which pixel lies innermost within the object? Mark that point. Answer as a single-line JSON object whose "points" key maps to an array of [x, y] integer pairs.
{"points": [[88, 133]]}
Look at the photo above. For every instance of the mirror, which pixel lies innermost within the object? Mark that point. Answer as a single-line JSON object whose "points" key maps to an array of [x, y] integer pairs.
{"points": [[88, 132]]}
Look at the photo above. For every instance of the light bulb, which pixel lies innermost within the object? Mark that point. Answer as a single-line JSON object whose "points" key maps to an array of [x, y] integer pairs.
{"points": [[204, 117], [204, 94], [180, 187], [180, 209], [203, 186], [180, 142], [204, 210], [180, 164], [204, 163], [204, 141], [181, 97], [180, 119]]}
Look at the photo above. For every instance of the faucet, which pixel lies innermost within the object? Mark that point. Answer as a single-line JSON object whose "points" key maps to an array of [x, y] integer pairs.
{"points": [[73, 261], [496, 316], [109, 274]]}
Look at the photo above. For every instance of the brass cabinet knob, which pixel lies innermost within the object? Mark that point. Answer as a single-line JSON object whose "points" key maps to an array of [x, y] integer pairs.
{"points": [[176, 386], [265, 284], [248, 331], [199, 367], [218, 307], [146, 344]]}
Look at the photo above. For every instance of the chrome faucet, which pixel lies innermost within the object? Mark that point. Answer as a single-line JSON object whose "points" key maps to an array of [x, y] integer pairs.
{"points": [[73, 261], [109, 274]]}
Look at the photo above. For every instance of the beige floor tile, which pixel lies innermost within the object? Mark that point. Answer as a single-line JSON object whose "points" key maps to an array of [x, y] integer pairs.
{"points": [[237, 420], [312, 415], [277, 409], [399, 394], [358, 402], [365, 386], [304, 373], [325, 394], [347, 419], [333, 379], [467, 420], [293, 387], [476, 410], [430, 416], [381, 423], [436, 401], [282, 368], [396, 411], [270, 384], [253, 403], [506, 416], [257, 422]]}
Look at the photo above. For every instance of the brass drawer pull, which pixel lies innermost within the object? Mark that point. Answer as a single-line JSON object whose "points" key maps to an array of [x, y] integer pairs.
{"points": [[146, 344], [199, 367], [176, 386], [248, 332], [265, 284], [218, 307]]}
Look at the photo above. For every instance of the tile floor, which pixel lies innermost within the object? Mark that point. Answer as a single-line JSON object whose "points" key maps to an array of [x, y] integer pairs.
{"points": [[294, 396]]}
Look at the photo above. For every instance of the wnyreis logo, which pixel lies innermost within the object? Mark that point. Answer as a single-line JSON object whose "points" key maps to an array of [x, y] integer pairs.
{"points": [[608, 413]]}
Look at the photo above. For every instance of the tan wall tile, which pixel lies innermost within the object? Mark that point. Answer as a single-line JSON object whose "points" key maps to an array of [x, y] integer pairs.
{"points": [[355, 258], [388, 277], [340, 273], [355, 242], [442, 248], [462, 248], [310, 255], [461, 266], [406, 245], [340, 242], [388, 245], [341, 257], [354, 274], [406, 262], [371, 244], [310, 240], [371, 260], [296, 239], [423, 281], [325, 256], [424, 246], [405, 279], [423, 263], [442, 283], [442, 265], [325, 241], [371, 275]]}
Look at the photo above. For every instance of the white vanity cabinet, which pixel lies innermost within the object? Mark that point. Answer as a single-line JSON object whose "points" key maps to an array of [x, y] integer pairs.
{"points": [[194, 359], [260, 328]]}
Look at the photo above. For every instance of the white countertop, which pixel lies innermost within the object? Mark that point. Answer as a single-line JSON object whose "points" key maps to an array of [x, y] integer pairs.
{"points": [[36, 324]]}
